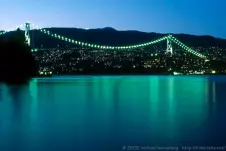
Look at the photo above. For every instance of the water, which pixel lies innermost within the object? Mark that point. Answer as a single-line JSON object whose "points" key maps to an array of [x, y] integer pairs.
{"points": [[113, 113]]}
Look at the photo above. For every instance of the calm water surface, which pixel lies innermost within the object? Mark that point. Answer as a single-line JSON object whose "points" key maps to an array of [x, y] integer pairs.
{"points": [[109, 112]]}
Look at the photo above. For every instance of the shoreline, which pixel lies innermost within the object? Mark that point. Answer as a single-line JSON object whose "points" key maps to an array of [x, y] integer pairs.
{"points": [[71, 75]]}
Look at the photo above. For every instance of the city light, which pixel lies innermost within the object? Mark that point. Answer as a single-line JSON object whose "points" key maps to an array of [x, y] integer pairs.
{"points": [[169, 37], [183, 59], [213, 72]]}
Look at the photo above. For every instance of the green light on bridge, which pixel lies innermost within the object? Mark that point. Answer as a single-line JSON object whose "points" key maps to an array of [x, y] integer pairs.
{"points": [[124, 47]]}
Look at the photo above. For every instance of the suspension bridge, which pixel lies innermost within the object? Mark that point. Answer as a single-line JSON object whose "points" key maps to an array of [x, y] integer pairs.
{"points": [[169, 39]]}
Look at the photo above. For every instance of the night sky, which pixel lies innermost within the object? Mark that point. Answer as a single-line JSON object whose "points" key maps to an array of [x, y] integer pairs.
{"points": [[199, 17]]}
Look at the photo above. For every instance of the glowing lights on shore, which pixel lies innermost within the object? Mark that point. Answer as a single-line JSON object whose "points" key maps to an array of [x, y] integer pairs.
{"points": [[45, 31], [129, 47], [124, 47], [213, 71], [186, 47], [45, 73], [34, 50]]}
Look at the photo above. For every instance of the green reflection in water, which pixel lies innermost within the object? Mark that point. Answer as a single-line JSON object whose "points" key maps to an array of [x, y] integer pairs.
{"points": [[158, 100], [33, 88], [154, 94]]}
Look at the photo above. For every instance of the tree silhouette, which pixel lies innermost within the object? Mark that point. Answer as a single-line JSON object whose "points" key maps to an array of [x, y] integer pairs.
{"points": [[17, 65]]}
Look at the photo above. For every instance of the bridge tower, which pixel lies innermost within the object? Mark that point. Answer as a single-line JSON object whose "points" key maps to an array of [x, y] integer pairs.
{"points": [[169, 48], [27, 33]]}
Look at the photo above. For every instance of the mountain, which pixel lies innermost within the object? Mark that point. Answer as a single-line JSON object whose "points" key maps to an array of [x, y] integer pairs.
{"points": [[111, 36]]}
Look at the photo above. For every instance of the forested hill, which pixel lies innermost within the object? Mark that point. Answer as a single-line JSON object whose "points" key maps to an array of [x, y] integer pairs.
{"points": [[110, 36]]}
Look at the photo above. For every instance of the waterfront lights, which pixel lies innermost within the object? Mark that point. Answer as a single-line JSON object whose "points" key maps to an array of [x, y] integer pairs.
{"points": [[125, 47], [45, 73], [213, 72]]}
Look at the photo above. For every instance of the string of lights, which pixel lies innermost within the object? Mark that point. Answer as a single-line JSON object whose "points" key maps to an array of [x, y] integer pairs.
{"points": [[85, 44], [186, 47]]}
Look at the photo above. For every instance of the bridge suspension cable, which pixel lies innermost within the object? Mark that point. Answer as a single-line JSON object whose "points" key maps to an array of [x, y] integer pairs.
{"points": [[169, 38], [188, 49], [70, 40], [80, 43]]}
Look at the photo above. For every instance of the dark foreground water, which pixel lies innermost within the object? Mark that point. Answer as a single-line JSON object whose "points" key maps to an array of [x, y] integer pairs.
{"points": [[113, 113]]}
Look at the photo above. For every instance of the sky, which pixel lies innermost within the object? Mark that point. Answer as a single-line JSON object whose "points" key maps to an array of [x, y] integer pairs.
{"points": [[199, 17]]}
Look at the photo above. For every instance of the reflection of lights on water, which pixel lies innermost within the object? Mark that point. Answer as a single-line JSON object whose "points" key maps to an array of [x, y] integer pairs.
{"points": [[214, 92], [34, 95]]}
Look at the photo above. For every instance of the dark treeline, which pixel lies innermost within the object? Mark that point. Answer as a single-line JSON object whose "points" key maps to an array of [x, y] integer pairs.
{"points": [[109, 36], [17, 65]]}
